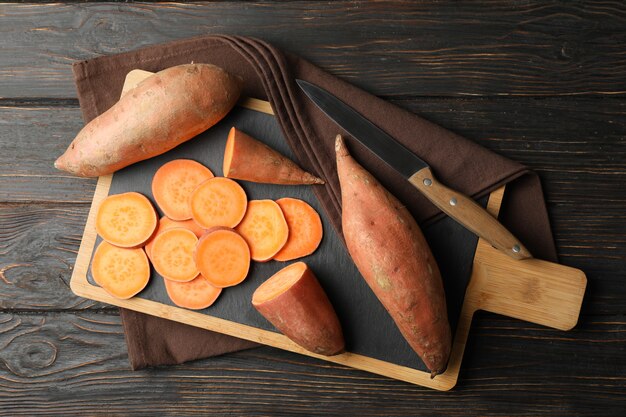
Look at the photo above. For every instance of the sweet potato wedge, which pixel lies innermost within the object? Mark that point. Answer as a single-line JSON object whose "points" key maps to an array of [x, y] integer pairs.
{"points": [[295, 303], [391, 253], [248, 159], [163, 111]]}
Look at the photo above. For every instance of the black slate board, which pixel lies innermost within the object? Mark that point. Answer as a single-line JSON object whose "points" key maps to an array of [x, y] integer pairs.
{"points": [[367, 327]]}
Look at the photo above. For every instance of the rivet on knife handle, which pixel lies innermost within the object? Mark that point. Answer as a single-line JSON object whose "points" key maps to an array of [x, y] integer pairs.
{"points": [[465, 211]]}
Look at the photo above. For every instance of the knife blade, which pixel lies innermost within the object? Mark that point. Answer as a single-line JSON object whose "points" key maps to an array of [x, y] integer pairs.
{"points": [[455, 204]]}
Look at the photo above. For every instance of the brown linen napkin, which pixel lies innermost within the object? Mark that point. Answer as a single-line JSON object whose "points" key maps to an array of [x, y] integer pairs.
{"points": [[270, 74]]}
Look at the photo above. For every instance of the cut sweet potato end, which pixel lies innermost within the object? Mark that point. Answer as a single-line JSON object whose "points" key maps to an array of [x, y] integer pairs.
{"points": [[173, 184], [194, 295], [223, 258], [279, 283], [166, 223], [305, 229], [228, 151], [122, 272], [126, 220], [218, 202], [172, 254], [264, 228]]}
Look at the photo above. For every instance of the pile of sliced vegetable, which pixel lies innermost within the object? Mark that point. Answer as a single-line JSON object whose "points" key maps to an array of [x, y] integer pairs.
{"points": [[209, 233]]}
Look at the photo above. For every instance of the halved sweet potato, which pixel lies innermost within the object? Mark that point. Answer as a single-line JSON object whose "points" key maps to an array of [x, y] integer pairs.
{"points": [[295, 303]]}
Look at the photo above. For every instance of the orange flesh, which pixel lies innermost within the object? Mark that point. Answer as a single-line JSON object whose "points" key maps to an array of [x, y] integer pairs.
{"points": [[121, 272], [126, 220], [305, 229], [264, 228], [228, 151], [172, 254], [278, 283], [223, 258], [173, 184], [165, 224], [218, 202], [195, 294]]}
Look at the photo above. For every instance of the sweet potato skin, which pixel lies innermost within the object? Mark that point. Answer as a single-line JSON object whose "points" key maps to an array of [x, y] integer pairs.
{"points": [[163, 111], [391, 253], [304, 314]]}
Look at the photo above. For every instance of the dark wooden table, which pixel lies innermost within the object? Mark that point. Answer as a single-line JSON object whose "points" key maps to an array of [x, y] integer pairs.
{"points": [[543, 83]]}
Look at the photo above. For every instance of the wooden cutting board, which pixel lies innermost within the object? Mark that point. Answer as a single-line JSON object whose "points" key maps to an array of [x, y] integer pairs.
{"points": [[476, 276]]}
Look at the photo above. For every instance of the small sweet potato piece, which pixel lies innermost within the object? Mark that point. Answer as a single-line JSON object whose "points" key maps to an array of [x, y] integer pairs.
{"points": [[161, 112], [122, 272], [194, 295], [295, 303], [305, 229], [218, 202], [166, 223], [222, 257], [172, 254], [248, 159], [264, 228], [173, 184], [391, 253], [126, 220]]}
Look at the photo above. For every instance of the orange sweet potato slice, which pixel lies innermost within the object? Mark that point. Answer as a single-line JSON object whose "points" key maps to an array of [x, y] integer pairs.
{"points": [[122, 272], [126, 220]]}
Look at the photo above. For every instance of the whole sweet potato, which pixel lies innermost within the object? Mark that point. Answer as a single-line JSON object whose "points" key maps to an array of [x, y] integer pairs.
{"points": [[391, 253], [161, 112]]}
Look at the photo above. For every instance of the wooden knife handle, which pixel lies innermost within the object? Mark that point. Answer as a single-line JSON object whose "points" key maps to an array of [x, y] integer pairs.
{"points": [[467, 212]]}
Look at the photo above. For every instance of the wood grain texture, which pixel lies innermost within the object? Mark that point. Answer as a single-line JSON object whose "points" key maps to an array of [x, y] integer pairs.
{"points": [[38, 247], [394, 48], [75, 365], [32, 138]]}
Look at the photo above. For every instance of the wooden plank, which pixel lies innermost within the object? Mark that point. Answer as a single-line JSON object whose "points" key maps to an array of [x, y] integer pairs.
{"points": [[76, 365], [38, 247], [394, 48], [32, 138]]}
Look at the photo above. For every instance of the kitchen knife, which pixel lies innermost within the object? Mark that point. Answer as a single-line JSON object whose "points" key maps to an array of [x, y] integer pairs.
{"points": [[456, 205]]}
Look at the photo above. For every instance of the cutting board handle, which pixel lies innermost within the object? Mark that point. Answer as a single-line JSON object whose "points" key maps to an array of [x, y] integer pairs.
{"points": [[533, 290]]}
